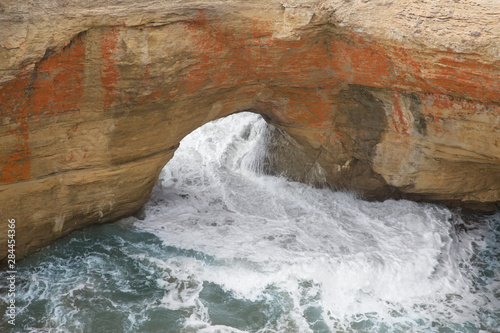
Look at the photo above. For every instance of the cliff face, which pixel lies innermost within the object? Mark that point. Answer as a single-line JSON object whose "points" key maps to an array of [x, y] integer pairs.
{"points": [[392, 99]]}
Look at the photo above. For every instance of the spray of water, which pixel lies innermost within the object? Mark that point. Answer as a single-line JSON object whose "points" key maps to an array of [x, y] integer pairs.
{"points": [[347, 261]]}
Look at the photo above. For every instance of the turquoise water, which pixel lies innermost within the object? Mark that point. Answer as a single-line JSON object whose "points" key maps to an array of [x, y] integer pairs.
{"points": [[224, 248]]}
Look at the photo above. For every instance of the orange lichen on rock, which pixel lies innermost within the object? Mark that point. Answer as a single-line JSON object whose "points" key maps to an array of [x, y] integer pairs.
{"points": [[15, 165], [58, 85], [109, 71], [54, 87], [398, 118]]}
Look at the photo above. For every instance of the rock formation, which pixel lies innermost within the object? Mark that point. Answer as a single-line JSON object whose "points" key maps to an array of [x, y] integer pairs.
{"points": [[392, 98]]}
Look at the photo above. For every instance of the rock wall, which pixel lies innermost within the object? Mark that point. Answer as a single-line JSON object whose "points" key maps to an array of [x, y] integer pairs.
{"points": [[392, 99]]}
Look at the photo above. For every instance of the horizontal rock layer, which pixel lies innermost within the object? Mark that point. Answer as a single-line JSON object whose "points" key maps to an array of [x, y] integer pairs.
{"points": [[389, 99]]}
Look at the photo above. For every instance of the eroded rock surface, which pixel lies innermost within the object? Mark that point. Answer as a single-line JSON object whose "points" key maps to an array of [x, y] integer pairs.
{"points": [[391, 98]]}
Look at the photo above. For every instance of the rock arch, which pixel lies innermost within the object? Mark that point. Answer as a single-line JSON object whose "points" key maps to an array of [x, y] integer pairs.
{"points": [[91, 116]]}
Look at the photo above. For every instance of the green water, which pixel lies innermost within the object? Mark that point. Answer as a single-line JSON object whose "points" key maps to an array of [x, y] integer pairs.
{"points": [[114, 278]]}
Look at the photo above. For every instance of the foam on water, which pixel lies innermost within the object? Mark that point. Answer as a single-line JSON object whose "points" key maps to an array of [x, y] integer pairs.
{"points": [[225, 248], [395, 261]]}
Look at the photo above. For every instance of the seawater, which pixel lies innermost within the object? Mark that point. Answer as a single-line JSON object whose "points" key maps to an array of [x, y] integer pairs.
{"points": [[226, 248]]}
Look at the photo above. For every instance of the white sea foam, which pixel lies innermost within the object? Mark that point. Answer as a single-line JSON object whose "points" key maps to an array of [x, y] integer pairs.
{"points": [[395, 261]]}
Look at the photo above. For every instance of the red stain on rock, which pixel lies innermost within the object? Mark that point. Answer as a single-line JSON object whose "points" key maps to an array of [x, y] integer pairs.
{"points": [[366, 62], [398, 118], [228, 58], [304, 76], [54, 87], [15, 165], [68, 157], [219, 57], [58, 86], [75, 155], [109, 71]]}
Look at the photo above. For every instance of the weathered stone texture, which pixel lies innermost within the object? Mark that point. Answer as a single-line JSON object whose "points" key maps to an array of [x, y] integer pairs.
{"points": [[391, 98]]}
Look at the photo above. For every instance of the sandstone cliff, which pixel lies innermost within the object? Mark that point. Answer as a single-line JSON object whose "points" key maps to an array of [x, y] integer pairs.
{"points": [[392, 98]]}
